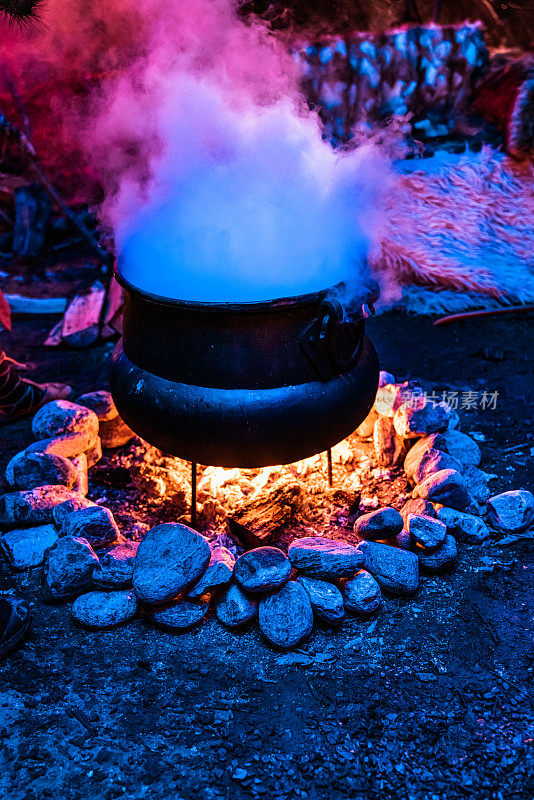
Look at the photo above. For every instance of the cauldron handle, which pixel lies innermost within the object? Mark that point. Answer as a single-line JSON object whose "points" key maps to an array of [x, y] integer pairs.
{"points": [[322, 340]]}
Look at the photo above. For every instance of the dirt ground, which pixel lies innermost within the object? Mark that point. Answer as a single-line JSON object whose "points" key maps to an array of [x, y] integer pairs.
{"points": [[433, 698]]}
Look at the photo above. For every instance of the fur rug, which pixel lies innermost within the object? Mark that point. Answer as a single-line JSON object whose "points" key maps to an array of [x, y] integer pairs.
{"points": [[460, 235]]}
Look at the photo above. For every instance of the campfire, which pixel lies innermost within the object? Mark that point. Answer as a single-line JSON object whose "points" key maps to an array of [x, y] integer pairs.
{"points": [[286, 547]]}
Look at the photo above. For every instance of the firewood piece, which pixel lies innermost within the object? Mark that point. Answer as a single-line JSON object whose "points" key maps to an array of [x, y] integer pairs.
{"points": [[264, 516], [36, 305], [32, 213], [81, 320]]}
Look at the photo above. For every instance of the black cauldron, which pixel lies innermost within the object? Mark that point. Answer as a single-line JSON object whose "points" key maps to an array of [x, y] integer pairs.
{"points": [[243, 385]]}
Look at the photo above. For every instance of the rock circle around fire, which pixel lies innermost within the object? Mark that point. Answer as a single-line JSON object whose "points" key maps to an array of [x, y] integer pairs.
{"points": [[174, 575]]}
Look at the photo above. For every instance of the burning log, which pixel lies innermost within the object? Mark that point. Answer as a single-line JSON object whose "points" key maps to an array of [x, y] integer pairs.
{"points": [[265, 515]]}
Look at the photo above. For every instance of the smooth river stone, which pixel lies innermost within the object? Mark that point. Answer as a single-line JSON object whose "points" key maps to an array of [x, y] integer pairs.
{"points": [[417, 506], [104, 609], [421, 418], [415, 453], [68, 567], [434, 461], [477, 481], [262, 569], [511, 511], [68, 446], [396, 570], [179, 616], [170, 558], [29, 470], [60, 417], [446, 487], [326, 599], [385, 523], [429, 532], [82, 478], [33, 506], [96, 524], [325, 558], [218, 573], [26, 547], [116, 567], [444, 556], [75, 503], [115, 433], [362, 594], [286, 616], [101, 402], [235, 608], [464, 527], [461, 447]]}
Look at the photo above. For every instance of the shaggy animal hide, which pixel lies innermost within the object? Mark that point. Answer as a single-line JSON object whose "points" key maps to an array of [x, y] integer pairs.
{"points": [[460, 236]]}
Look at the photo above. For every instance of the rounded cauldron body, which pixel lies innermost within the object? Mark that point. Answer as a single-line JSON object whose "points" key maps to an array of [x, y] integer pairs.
{"points": [[242, 385]]}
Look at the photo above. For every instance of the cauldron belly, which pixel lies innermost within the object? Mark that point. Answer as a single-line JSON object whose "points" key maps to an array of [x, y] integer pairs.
{"points": [[244, 427]]}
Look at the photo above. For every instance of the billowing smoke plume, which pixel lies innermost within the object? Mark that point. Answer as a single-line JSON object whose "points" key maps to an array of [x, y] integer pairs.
{"points": [[219, 186]]}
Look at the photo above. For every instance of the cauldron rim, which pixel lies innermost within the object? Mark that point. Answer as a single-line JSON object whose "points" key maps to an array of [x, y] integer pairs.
{"points": [[281, 303]]}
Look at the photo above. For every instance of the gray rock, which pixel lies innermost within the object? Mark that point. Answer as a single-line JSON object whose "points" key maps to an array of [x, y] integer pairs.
{"points": [[325, 558], [82, 478], [32, 506], [26, 547], [101, 610], [61, 417], [96, 524], [170, 558], [286, 616], [72, 444], [389, 449], [365, 429], [384, 523], [262, 569], [446, 487], [403, 540], [384, 378], [433, 461], [419, 419], [115, 433], [461, 447], [415, 454], [179, 616], [389, 399], [511, 511], [417, 506], [478, 480], [443, 557], [218, 573], [325, 598], [396, 570], [429, 532], [115, 570], [68, 506], [464, 527], [94, 454], [362, 594], [29, 470], [68, 568], [101, 402], [235, 608]]}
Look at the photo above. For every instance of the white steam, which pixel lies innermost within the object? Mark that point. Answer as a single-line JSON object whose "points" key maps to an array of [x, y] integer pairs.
{"points": [[230, 194]]}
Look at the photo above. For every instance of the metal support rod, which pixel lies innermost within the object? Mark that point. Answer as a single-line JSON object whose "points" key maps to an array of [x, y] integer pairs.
{"points": [[329, 457], [193, 494]]}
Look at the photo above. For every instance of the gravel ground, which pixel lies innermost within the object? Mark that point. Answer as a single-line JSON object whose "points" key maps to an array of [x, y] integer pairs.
{"points": [[432, 699]]}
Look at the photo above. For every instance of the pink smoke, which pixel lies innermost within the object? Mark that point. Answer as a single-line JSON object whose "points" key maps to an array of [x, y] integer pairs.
{"points": [[217, 182]]}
